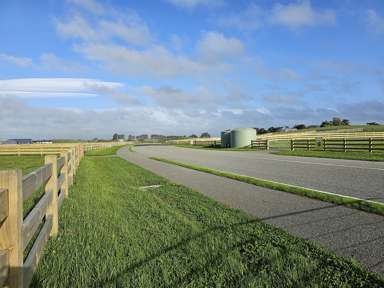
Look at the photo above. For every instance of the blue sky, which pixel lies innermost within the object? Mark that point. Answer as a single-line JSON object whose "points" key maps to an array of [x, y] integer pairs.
{"points": [[86, 68]]}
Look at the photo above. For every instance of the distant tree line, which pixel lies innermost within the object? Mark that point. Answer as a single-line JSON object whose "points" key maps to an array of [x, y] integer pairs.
{"points": [[336, 121]]}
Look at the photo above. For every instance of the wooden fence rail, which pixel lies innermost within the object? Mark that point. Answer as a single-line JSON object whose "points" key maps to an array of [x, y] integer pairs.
{"points": [[41, 223], [320, 134], [260, 144], [339, 144]]}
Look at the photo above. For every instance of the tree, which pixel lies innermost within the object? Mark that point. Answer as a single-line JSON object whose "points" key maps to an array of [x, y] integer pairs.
{"points": [[345, 122], [205, 135], [336, 121], [115, 137], [299, 126], [193, 136], [325, 123], [275, 129], [261, 131], [372, 123]]}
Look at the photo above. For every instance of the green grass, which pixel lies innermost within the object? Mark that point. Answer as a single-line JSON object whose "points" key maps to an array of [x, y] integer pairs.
{"points": [[27, 164], [218, 148], [104, 151], [365, 205], [333, 154], [112, 234]]}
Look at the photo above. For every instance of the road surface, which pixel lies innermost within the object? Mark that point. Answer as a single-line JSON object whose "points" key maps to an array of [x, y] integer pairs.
{"points": [[348, 232], [362, 179]]}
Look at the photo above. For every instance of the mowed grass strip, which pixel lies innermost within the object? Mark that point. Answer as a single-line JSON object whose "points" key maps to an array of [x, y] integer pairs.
{"points": [[104, 151], [113, 234], [366, 156], [27, 164], [365, 205]]}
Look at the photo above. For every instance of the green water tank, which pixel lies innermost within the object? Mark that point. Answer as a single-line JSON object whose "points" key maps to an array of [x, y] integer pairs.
{"points": [[226, 138], [242, 137]]}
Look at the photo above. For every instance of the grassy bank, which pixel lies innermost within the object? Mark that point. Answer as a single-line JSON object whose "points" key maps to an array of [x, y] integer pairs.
{"points": [[365, 205], [113, 234], [366, 156], [216, 148], [104, 151]]}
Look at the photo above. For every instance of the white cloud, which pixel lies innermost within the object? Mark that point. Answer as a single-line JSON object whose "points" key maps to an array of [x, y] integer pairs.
{"points": [[252, 18], [55, 87], [274, 74], [300, 14], [375, 22], [214, 46], [136, 33], [89, 5], [16, 60], [155, 61], [195, 3], [51, 62], [126, 26], [77, 27], [168, 96]]}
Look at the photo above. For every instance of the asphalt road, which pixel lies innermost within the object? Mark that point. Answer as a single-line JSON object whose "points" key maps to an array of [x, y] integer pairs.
{"points": [[348, 232], [362, 179]]}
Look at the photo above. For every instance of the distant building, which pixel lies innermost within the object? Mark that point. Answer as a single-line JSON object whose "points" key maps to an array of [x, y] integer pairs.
{"points": [[42, 142], [158, 137], [290, 129], [18, 141], [142, 137], [118, 137]]}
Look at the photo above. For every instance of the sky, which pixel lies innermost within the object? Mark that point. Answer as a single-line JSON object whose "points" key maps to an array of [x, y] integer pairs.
{"points": [[87, 68]]}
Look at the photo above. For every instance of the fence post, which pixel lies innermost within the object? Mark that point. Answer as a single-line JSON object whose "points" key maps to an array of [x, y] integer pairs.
{"points": [[73, 157], [11, 237], [324, 144], [308, 145], [370, 148], [267, 144], [292, 145], [65, 171], [345, 144], [53, 208]]}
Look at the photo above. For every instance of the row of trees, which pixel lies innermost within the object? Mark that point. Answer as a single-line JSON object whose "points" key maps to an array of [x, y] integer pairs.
{"points": [[336, 121]]}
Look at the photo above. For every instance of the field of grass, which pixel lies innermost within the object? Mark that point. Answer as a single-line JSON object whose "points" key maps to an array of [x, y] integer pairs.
{"points": [[104, 151], [27, 164], [365, 205], [113, 234], [218, 148], [336, 155]]}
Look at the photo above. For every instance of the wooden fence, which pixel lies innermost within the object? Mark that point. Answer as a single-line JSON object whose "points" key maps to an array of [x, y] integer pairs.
{"points": [[339, 144], [319, 134], [27, 236], [210, 143], [260, 144]]}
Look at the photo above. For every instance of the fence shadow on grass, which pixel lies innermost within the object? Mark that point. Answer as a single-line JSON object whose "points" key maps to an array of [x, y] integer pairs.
{"points": [[197, 236]]}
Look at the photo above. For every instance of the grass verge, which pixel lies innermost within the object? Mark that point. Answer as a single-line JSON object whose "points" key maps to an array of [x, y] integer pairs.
{"points": [[218, 148], [113, 234], [104, 151], [365, 205], [366, 156]]}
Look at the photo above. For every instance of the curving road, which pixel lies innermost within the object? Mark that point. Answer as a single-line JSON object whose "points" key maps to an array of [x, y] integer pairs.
{"points": [[348, 232], [362, 179]]}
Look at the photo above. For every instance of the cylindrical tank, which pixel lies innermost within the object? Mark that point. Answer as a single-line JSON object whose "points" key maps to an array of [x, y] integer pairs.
{"points": [[242, 137], [226, 138]]}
